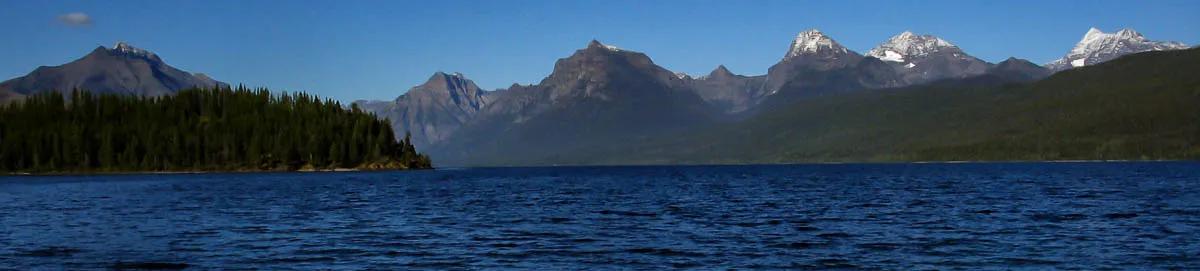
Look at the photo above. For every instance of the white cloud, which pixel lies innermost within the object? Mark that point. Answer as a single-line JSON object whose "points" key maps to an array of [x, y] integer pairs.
{"points": [[75, 19]]}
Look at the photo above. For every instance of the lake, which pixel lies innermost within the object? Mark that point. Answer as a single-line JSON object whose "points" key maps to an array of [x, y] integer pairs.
{"points": [[840, 216]]}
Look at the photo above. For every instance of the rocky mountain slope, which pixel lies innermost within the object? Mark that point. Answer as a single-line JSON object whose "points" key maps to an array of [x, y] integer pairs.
{"points": [[599, 96], [923, 58], [432, 111], [121, 69]]}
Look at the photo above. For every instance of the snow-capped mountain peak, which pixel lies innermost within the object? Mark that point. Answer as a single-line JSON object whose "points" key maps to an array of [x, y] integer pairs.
{"points": [[906, 45], [125, 48], [598, 44], [812, 41], [1097, 46], [1092, 33]]}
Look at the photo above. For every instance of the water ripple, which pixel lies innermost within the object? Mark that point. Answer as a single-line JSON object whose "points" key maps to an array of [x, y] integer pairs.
{"points": [[896, 216]]}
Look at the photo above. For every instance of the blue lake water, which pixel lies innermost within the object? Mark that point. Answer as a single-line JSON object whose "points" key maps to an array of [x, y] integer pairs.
{"points": [[869, 216]]}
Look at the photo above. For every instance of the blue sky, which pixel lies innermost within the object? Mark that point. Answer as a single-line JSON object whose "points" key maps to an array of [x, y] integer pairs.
{"points": [[352, 50]]}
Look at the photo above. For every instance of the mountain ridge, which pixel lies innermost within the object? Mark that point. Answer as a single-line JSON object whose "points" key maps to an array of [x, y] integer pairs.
{"points": [[924, 58], [598, 95], [1138, 107], [432, 110], [587, 84], [122, 69], [1097, 46]]}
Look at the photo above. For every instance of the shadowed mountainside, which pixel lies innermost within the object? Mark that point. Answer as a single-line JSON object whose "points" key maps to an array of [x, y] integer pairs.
{"points": [[123, 69]]}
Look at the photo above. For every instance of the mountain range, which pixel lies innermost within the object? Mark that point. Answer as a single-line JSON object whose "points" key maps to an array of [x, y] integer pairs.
{"points": [[609, 105], [602, 97]]}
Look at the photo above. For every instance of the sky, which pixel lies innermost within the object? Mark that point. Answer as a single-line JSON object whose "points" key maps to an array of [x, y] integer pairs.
{"points": [[351, 50]]}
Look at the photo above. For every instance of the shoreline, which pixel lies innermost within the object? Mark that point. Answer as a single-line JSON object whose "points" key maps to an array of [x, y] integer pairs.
{"points": [[188, 172], [829, 163], [335, 170]]}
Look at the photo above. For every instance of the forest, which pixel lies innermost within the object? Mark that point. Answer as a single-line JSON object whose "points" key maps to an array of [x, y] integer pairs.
{"points": [[217, 129]]}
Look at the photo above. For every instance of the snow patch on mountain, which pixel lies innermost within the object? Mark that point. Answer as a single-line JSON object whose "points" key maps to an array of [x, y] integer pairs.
{"points": [[907, 45], [892, 56], [812, 41], [598, 44], [1078, 62], [125, 48]]}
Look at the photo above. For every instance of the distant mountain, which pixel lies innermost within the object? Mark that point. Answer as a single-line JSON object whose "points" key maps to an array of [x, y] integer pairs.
{"points": [[1097, 46], [729, 92], [433, 110], [122, 69], [811, 50], [924, 58], [816, 65], [1019, 70], [598, 97], [1012, 71]]}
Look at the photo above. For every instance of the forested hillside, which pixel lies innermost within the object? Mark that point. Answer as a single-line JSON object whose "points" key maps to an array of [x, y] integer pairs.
{"points": [[1143, 106], [196, 129]]}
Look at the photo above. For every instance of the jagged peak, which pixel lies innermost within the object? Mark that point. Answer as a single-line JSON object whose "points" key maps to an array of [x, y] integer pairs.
{"points": [[448, 80], [1094, 35], [813, 41], [126, 48], [598, 45], [1130, 34], [908, 44], [1097, 46], [121, 45], [443, 74], [720, 71], [1097, 41], [1093, 31]]}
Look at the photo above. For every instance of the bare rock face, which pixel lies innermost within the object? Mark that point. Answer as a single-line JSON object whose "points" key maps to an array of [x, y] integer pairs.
{"points": [[432, 111], [599, 96], [123, 69], [729, 92]]}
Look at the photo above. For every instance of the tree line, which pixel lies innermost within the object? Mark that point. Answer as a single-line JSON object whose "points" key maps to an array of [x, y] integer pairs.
{"points": [[196, 129]]}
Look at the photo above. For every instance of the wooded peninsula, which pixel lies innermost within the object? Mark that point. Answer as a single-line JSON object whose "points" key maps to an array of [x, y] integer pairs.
{"points": [[214, 129]]}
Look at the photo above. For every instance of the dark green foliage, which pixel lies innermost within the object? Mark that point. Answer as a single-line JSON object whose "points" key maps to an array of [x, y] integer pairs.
{"points": [[196, 129], [1142, 106], [1138, 107]]}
